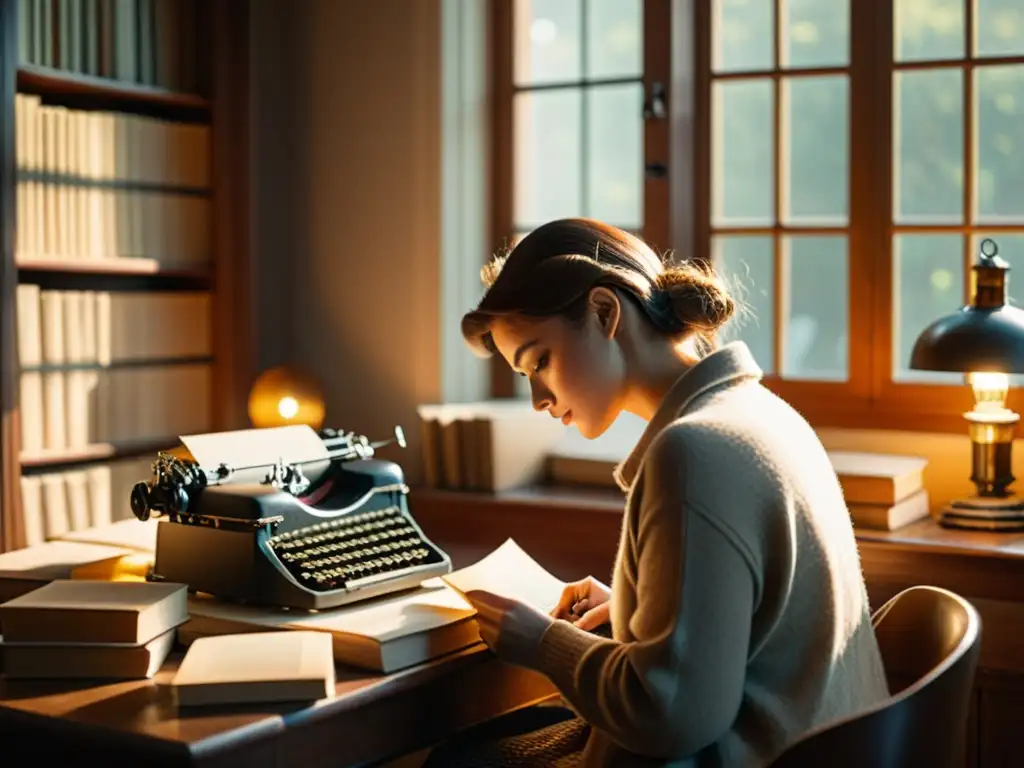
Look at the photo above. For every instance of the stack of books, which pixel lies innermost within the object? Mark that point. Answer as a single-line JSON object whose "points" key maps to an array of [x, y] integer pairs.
{"points": [[488, 446], [91, 629], [882, 491]]}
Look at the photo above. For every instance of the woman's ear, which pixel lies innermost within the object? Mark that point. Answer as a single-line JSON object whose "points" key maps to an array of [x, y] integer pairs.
{"points": [[605, 304]]}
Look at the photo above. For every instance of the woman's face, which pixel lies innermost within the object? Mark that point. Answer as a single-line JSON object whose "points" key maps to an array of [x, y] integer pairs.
{"points": [[576, 373]]}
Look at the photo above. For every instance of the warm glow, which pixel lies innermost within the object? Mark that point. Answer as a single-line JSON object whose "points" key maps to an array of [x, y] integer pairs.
{"points": [[288, 407], [989, 389], [285, 396], [132, 567]]}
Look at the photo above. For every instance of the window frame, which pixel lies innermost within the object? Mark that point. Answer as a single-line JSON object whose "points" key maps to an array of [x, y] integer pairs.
{"points": [[677, 209], [657, 219]]}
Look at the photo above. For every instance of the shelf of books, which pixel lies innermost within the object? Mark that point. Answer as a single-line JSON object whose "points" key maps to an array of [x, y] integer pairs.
{"points": [[112, 252]]}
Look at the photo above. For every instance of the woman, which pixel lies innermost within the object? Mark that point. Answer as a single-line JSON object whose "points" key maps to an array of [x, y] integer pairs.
{"points": [[739, 616]]}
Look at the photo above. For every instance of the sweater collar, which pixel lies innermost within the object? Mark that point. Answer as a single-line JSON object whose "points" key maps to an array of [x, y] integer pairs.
{"points": [[726, 366]]}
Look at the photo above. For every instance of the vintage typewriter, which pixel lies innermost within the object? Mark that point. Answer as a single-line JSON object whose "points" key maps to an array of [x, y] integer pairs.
{"points": [[313, 532]]}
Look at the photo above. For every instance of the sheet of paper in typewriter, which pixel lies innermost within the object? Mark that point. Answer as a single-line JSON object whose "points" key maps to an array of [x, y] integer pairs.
{"points": [[260, 447]]}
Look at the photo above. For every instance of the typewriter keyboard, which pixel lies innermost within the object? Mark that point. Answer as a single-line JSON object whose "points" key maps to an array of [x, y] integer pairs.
{"points": [[331, 554]]}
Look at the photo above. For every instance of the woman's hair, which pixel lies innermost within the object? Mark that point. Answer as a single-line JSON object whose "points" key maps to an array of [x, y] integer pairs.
{"points": [[553, 269]]}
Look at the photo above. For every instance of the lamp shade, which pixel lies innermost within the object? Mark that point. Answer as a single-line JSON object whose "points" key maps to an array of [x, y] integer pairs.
{"points": [[283, 396], [987, 335], [972, 340]]}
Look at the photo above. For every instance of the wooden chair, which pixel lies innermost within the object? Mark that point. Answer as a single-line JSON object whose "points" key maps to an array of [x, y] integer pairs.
{"points": [[930, 639]]}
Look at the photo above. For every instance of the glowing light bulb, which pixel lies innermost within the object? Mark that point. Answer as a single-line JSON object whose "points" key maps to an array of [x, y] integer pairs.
{"points": [[285, 396], [288, 407], [990, 390]]}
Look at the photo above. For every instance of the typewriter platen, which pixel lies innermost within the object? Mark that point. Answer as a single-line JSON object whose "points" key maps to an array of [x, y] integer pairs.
{"points": [[313, 534]]}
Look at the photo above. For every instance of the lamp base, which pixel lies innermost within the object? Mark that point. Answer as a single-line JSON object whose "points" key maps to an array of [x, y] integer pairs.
{"points": [[982, 513]]}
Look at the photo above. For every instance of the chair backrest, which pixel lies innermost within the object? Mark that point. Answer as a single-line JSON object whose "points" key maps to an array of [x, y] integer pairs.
{"points": [[930, 639]]}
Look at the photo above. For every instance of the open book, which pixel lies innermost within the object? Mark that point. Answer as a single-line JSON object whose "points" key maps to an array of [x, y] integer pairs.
{"points": [[510, 572]]}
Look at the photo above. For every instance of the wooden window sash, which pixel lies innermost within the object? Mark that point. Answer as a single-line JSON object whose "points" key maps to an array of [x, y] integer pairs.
{"points": [[678, 212], [812, 396], [920, 401], [659, 138], [872, 398]]}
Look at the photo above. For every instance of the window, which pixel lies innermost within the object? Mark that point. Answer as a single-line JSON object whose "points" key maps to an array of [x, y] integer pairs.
{"points": [[859, 153], [780, 159], [577, 112], [957, 158], [570, 136], [847, 159]]}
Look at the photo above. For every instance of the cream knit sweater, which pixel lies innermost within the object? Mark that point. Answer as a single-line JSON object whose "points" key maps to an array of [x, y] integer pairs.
{"points": [[739, 613]]}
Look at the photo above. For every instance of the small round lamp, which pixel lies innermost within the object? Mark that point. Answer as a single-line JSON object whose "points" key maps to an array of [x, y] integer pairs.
{"points": [[284, 396]]}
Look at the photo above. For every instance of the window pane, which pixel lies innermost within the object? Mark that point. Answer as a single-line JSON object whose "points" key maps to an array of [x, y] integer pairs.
{"points": [[615, 154], [547, 41], [929, 29], [928, 163], [999, 143], [817, 335], [928, 283], [742, 169], [548, 181], [998, 28], [615, 38], [816, 150], [746, 263], [816, 33], [743, 34]]}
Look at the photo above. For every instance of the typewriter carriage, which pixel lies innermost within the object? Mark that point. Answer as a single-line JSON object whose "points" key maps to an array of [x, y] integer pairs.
{"points": [[179, 482]]}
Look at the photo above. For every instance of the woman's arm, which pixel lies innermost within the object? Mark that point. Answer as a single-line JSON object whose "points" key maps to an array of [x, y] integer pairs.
{"points": [[678, 688]]}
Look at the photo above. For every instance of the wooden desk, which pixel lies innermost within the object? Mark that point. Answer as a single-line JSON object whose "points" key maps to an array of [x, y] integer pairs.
{"points": [[372, 717], [575, 532]]}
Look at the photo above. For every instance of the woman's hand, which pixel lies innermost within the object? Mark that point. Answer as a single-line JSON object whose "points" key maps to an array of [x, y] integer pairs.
{"points": [[585, 603], [510, 628]]}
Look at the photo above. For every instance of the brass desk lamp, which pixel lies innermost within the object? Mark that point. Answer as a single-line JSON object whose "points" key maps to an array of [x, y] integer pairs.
{"points": [[985, 341]]}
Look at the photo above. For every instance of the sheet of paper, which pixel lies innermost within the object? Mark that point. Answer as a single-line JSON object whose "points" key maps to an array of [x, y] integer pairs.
{"points": [[247, 447], [510, 572]]}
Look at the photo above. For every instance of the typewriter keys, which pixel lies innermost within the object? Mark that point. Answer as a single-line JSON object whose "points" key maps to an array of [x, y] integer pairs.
{"points": [[329, 555]]}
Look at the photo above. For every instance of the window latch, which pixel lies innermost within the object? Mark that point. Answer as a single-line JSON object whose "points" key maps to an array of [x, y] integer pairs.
{"points": [[654, 104], [656, 170]]}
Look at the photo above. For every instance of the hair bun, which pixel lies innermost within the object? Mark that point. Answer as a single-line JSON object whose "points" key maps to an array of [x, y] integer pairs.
{"points": [[694, 296]]}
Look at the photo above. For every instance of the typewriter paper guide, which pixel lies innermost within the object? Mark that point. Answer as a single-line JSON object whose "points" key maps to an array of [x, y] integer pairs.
{"points": [[260, 447], [510, 572]]}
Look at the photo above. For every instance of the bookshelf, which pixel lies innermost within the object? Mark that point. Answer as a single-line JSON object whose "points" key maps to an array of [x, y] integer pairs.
{"points": [[125, 283]]}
